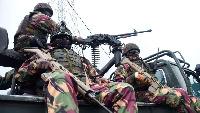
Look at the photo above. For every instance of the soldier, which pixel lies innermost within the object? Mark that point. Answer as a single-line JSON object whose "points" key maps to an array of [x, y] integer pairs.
{"points": [[35, 26], [173, 97]]}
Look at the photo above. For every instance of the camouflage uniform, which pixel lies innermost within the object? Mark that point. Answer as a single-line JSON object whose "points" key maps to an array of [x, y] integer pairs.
{"points": [[61, 89], [36, 23], [173, 97], [5, 82]]}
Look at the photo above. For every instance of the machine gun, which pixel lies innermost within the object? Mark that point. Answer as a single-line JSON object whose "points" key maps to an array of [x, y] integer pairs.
{"points": [[82, 88], [95, 40]]}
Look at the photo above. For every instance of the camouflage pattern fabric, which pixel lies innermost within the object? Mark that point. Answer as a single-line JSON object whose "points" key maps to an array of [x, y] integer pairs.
{"points": [[37, 24], [5, 82], [24, 42], [173, 97], [40, 22], [60, 90], [61, 93], [26, 74], [120, 96]]}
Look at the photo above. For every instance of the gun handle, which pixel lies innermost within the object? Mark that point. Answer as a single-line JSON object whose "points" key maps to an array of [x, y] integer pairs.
{"points": [[125, 61]]}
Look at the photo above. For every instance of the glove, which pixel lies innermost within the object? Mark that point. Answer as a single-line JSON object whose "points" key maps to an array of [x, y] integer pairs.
{"points": [[142, 80], [44, 64]]}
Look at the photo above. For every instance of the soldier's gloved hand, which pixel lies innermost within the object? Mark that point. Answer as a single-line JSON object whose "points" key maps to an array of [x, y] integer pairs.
{"points": [[143, 80], [44, 64]]}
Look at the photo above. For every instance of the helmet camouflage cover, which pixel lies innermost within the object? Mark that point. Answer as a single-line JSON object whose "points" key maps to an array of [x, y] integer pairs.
{"points": [[128, 47], [41, 6]]}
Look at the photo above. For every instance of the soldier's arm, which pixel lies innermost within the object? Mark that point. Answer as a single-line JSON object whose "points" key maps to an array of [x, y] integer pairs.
{"points": [[27, 70], [90, 70], [44, 23], [125, 74], [120, 74]]}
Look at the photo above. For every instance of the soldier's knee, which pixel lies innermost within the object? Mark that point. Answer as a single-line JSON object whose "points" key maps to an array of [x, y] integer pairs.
{"points": [[128, 86], [182, 91]]}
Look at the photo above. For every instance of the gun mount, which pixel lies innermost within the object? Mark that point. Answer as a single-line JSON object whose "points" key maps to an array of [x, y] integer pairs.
{"points": [[95, 40]]}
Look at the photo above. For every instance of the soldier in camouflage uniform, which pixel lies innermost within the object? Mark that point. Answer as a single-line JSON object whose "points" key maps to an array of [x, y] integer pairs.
{"points": [[173, 97], [37, 25]]}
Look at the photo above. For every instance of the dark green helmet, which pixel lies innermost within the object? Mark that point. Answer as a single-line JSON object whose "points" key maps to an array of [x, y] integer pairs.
{"points": [[128, 47], [61, 32], [43, 6]]}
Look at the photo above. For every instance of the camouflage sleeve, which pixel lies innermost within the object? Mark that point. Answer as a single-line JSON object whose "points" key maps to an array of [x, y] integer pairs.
{"points": [[90, 70], [120, 74], [123, 75], [26, 71], [43, 22]]}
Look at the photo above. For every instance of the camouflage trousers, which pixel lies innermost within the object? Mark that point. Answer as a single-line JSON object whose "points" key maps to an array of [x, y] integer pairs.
{"points": [[61, 95], [173, 97]]}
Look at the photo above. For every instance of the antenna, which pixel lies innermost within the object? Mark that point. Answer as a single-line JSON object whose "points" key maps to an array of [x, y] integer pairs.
{"points": [[155, 63], [64, 10]]}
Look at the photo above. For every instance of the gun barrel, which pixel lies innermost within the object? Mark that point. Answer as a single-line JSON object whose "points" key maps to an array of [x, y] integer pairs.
{"points": [[130, 34], [100, 104]]}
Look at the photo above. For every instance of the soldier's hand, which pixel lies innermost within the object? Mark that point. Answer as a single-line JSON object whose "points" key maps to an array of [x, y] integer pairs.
{"points": [[143, 79], [103, 81], [44, 64]]}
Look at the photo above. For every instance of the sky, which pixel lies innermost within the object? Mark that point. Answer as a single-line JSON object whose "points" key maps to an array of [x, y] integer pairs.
{"points": [[175, 24]]}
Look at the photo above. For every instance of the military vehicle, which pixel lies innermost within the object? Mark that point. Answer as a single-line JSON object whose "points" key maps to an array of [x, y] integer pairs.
{"points": [[172, 73]]}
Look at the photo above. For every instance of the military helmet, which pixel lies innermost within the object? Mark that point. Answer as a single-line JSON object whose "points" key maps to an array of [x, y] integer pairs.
{"points": [[128, 47], [42, 6], [61, 32]]}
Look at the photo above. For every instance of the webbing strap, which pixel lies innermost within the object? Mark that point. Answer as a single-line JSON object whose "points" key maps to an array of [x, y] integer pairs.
{"points": [[70, 63]]}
